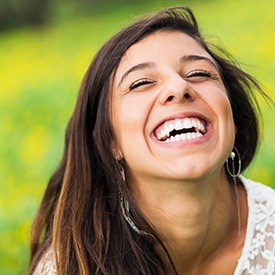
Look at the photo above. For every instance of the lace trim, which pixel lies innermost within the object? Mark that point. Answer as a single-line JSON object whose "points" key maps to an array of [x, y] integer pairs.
{"points": [[258, 256]]}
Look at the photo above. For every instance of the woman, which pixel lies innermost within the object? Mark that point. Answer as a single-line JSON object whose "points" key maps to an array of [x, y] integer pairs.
{"points": [[150, 178]]}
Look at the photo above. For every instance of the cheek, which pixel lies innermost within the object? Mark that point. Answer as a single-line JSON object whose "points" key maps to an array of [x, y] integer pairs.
{"points": [[129, 117], [224, 111], [215, 96]]}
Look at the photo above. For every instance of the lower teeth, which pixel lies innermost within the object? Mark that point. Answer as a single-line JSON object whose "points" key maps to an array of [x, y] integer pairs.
{"points": [[186, 136]]}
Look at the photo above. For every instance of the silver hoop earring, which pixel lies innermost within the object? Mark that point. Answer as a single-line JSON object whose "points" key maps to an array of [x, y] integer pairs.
{"points": [[125, 208], [234, 175], [233, 154]]}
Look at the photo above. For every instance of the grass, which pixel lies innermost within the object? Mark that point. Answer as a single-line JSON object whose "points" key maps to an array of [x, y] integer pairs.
{"points": [[41, 70]]}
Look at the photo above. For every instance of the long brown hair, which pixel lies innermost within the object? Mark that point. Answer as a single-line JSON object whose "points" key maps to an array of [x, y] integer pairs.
{"points": [[80, 215]]}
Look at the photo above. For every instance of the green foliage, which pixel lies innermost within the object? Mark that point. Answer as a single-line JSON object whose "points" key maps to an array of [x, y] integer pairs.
{"points": [[41, 70]]}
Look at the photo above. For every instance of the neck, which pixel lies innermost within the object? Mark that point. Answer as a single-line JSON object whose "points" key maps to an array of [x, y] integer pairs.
{"points": [[193, 219]]}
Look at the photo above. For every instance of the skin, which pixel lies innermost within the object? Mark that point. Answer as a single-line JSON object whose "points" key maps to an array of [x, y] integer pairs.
{"points": [[181, 187]]}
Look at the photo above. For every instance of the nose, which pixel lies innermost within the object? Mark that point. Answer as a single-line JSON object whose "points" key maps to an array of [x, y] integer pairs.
{"points": [[176, 90]]}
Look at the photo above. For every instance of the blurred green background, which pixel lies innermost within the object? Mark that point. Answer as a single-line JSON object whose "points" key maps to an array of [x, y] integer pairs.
{"points": [[44, 52]]}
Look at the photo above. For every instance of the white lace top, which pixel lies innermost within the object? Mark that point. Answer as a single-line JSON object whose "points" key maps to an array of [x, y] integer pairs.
{"points": [[258, 255]]}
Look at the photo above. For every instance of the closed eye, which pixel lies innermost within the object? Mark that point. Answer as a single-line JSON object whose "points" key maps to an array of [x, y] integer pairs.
{"points": [[141, 82], [199, 73]]}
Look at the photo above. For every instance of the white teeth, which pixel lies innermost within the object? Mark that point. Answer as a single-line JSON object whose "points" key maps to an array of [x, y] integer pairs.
{"points": [[194, 122], [183, 136], [201, 127], [159, 136], [170, 126], [187, 123], [199, 134], [187, 136], [166, 129], [180, 124]]}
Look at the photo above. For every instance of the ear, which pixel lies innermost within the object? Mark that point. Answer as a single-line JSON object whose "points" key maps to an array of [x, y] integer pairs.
{"points": [[116, 152]]}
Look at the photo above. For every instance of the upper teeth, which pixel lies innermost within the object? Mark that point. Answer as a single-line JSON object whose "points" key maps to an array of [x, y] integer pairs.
{"points": [[163, 133]]}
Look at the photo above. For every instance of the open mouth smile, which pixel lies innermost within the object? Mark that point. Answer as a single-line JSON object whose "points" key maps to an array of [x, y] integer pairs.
{"points": [[181, 129]]}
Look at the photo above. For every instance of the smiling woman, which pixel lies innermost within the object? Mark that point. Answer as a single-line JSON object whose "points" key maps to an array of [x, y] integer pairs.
{"points": [[162, 106], [150, 178]]}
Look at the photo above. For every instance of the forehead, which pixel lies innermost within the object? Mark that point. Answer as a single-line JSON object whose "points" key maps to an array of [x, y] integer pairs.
{"points": [[160, 47]]}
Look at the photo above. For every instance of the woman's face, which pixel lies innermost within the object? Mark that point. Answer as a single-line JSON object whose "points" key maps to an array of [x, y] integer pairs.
{"points": [[170, 110]]}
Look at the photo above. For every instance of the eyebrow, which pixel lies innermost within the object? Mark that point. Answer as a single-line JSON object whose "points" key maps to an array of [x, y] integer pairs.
{"points": [[191, 58], [150, 65], [141, 66]]}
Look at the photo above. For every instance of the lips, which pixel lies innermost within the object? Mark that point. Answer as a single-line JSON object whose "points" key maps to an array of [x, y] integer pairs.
{"points": [[179, 129]]}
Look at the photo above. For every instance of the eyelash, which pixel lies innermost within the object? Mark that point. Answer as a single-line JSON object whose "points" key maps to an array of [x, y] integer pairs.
{"points": [[201, 74], [192, 74], [141, 82]]}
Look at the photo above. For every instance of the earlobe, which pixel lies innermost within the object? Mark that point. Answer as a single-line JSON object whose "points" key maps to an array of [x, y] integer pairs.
{"points": [[117, 153]]}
